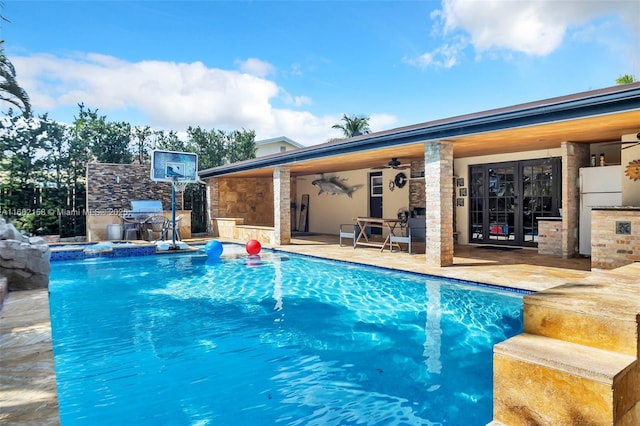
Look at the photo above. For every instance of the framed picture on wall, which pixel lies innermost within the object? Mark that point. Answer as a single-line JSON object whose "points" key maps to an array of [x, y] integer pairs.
{"points": [[460, 182], [460, 202], [463, 192]]}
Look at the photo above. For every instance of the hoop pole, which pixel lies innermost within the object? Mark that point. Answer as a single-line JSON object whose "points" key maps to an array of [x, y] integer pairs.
{"points": [[173, 214]]}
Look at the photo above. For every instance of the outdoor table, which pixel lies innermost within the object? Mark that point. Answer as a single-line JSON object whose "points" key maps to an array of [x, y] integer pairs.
{"points": [[138, 222], [388, 224]]}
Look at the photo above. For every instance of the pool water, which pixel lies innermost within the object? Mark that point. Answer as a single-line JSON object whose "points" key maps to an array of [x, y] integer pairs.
{"points": [[275, 339]]}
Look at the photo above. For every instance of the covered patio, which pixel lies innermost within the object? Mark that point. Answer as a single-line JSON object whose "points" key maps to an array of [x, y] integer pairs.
{"points": [[260, 198]]}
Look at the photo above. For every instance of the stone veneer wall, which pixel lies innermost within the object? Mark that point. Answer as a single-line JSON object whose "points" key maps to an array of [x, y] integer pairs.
{"points": [[214, 206], [417, 194], [113, 186], [574, 156], [609, 249], [248, 198]]}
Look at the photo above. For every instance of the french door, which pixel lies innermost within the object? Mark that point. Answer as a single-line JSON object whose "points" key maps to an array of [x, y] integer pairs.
{"points": [[506, 200]]}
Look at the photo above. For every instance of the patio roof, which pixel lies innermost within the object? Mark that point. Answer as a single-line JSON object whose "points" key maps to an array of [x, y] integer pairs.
{"points": [[595, 116]]}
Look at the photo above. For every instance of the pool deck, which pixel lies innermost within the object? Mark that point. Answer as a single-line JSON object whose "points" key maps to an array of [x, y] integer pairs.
{"points": [[27, 379]]}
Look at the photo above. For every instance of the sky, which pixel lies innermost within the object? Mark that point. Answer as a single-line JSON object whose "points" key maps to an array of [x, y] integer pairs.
{"points": [[293, 68]]}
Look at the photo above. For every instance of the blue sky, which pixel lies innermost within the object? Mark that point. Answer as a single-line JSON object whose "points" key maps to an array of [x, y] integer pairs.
{"points": [[292, 68]]}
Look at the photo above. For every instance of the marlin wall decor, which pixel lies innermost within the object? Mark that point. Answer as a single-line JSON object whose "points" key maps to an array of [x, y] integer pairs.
{"points": [[334, 185]]}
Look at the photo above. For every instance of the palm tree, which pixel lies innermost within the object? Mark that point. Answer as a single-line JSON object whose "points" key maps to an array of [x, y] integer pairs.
{"points": [[10, 90], [625, 79], [353, 125]]}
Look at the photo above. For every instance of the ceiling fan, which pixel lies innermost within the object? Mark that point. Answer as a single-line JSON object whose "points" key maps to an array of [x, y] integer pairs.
{"points": [[394, 163]]}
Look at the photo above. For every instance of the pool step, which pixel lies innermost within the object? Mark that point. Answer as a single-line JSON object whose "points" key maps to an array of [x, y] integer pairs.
{"points": [[579, 384], [602, 317]]}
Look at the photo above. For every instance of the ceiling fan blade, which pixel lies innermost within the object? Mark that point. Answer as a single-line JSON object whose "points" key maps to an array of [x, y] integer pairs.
{"points": [[631, 146]]}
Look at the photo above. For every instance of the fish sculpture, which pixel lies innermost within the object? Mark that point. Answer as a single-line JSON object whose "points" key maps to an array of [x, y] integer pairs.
{"points": [[333, 185]]}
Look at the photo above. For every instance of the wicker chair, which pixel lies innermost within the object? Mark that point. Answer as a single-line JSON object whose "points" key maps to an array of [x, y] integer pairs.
{"points": [[155, 224]]}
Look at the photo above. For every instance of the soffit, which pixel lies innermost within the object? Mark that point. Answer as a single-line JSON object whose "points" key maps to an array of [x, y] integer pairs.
{"points": [[606, 128]]}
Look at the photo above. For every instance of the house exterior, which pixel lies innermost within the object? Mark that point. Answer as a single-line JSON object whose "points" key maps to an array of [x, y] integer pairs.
{"points": [[275, 146], [492, 177]]}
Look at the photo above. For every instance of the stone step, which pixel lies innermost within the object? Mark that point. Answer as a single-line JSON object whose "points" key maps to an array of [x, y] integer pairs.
{"points": [[551, 381], [605, 317]]}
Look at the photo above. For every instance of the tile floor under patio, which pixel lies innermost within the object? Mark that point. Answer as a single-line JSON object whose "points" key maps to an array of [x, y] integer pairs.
{"points": [[27, 379]]}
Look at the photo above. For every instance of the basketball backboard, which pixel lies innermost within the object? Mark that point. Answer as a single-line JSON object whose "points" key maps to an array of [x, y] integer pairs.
{"points": [[171, 166]]}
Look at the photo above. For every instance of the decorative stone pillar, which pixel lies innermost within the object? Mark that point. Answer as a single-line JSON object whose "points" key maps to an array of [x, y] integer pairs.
{"points": [[574, 156], [438, 176], [282, 205], [213, 206]]}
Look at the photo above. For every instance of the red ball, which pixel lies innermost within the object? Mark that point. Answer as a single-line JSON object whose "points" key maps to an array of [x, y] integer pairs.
{"points": [[253, 247]]}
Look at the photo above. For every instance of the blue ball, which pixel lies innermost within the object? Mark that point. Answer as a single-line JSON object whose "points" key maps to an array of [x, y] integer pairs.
{"points": [[213, 249]]}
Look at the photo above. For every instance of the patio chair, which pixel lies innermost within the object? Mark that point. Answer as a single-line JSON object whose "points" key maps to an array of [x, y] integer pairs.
{"points": [[155, 224], [348, 230], [131, 228], [169, 228]]}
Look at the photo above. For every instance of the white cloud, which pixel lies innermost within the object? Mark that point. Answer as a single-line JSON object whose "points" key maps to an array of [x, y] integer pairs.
{"points": [[379, 122], [533, 27], [170, 95], [256, 67], [445, 56]]}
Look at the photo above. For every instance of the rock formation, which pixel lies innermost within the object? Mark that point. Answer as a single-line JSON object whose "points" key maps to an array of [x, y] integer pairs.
{"points": [[24, 261]]}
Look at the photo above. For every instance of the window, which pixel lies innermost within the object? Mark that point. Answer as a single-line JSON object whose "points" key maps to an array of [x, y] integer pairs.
{"points": [[376, 186]]}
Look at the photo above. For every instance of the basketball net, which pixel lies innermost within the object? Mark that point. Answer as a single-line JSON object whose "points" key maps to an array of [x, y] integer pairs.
{"points": [[179, 186]]}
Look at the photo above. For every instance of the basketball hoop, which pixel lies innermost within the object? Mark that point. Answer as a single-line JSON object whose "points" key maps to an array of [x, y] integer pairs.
{"points": [[179, 186]]}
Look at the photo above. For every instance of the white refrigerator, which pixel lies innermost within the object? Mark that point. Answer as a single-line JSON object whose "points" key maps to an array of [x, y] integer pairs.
{"points": [[599, 187]]}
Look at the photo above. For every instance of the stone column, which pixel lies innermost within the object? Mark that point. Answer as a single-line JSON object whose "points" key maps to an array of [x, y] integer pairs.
{"points": [[282, 205], [438, 177], [574, 156], [213, 206]]}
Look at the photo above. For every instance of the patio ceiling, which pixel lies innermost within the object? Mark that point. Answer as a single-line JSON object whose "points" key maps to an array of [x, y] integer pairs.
{"points": [[527, 127]]}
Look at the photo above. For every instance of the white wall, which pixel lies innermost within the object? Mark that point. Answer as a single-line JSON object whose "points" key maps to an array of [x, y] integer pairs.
{"points": [[327, 212], [273, 148], [461, 170]]}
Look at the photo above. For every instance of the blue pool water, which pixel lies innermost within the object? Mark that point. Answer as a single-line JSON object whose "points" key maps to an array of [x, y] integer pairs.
{"points": [[283, 339]]}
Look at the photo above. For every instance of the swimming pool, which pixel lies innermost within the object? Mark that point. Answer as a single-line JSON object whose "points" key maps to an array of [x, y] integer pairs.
{"points": [[279, 339]]}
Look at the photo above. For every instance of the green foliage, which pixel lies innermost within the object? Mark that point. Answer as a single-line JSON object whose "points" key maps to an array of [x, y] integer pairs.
{"points": [[241, 145], [141, 144], [215, 147], [625, 79], [353, 125], [107, 142], [10, 90], [43, 162], [169, 141], [23, 147]]}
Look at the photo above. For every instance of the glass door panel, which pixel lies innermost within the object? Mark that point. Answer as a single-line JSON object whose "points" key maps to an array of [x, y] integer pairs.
{"points": [[506, 200], [502, 202], [540, 195]]}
